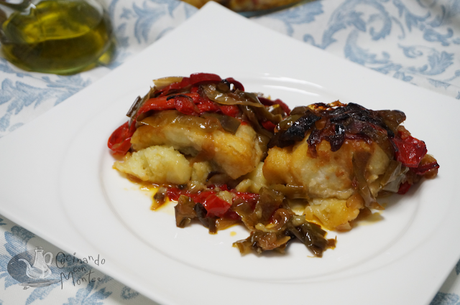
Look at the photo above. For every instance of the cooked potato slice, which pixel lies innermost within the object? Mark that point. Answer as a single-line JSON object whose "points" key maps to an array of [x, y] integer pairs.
{"points": [[158, 164]]}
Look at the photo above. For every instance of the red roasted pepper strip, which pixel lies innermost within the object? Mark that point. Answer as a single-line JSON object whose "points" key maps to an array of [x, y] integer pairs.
{"points": [[173, 193], [404, 188], [230, 110], [423, 169], [157, 103], [235, 83], [185, 105], [206, 105], [201, 78], [215, 206], [218, 207], [268, 125], [165, 102], [409, 150], [120, 140]]}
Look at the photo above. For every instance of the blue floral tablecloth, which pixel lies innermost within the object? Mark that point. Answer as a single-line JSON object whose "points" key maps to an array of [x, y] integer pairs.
{"points": [[416, 41]]}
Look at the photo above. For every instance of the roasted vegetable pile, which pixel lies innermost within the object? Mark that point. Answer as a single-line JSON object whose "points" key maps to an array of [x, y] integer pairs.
{"points": [[227, 157]]}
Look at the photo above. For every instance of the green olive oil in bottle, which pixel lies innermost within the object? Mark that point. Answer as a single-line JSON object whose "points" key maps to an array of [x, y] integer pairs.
{"points": [[58, 36]]}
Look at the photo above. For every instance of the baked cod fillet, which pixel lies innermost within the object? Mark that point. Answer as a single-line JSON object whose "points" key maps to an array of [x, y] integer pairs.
{"points": [[342, 157], [234, 154]]}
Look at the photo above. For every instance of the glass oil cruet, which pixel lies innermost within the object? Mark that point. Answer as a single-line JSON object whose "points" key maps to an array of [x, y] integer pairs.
{"points": [[55, 36]]}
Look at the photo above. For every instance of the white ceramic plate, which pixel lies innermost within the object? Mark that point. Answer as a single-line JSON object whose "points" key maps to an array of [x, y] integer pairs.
{"points": [[57, 181]]}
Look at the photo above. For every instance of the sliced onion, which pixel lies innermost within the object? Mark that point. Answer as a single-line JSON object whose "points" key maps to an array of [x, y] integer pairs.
{"points": [[138, 102], [251, 117], [163, 82], [393, 176], [360, 160], [392, 118], [228, 123], [231, 98]]}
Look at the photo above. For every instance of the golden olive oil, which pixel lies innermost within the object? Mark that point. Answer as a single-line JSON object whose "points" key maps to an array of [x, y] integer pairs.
{"points": [[61, 37]]}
